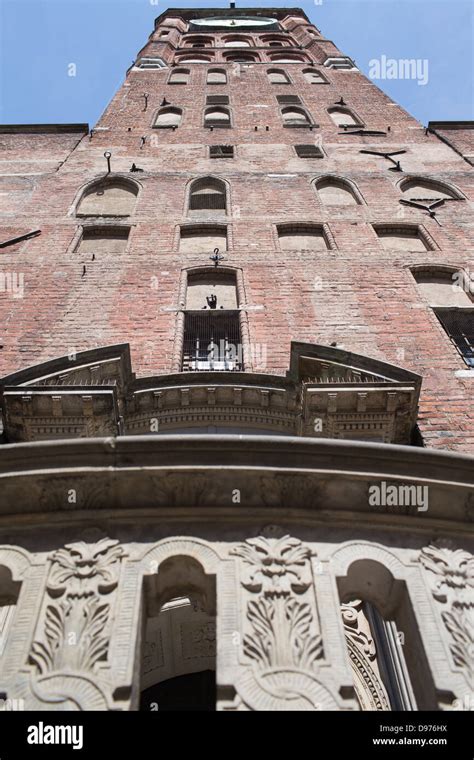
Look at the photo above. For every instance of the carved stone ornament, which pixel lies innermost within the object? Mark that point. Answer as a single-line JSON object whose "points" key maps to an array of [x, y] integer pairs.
{"points": [[97, 394], [368, 685], [282, 640], [74, 632], [451, 576]]}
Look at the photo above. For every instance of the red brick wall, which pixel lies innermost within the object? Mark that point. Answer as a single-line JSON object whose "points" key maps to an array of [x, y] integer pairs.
{"points": [[365, 297]]}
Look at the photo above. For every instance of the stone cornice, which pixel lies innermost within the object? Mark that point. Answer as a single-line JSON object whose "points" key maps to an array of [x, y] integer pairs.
{"points": [[327, 391], [269, 472]]}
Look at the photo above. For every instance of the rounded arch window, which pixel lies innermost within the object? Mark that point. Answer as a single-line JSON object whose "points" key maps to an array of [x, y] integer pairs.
{"points": [[287, 59], [314, 77], [169, 117], [278, 76], [334, 191], [207, 195], [9, 593], [293, 116], [273, 39], [343, 117], [179, 76], [241, 58], [387, 656], [237, 42], [426, 190], [198, 42], [217, 117], [111, 197], [216, 76], [181, 596], [195, 59]]}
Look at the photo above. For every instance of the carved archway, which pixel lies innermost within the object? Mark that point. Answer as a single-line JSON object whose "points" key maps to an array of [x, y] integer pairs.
{"points": [[178, 652]]}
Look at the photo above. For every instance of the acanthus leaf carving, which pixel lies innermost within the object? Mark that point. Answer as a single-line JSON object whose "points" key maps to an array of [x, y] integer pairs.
{"points": [[305, 647], [451, 578], [73, 637], [283, 639], [461, 628]]}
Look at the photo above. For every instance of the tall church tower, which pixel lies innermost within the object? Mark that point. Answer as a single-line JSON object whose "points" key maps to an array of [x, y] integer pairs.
{"points": [[236, 372]]}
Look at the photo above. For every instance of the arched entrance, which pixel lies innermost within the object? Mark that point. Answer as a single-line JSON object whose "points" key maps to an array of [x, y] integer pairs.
{"points": [[178, 660]]}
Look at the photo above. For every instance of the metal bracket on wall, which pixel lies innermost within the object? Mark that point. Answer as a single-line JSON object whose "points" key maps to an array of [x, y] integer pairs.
{"points": [[396, 164], [20, 238]]}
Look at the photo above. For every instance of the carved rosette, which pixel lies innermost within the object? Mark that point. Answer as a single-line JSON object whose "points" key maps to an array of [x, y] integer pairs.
{"points": [[73, 636], [282, 638], [450, 573]]}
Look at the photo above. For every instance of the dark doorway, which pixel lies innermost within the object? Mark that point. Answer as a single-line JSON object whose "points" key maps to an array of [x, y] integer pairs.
{"points": [[192, 692]]}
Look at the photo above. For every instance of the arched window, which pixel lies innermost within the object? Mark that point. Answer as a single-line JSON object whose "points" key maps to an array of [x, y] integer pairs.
{"points": [[217, 117], [207, 195], [299, 237], [343, 117], [278, 76], [212, 338], [295, 117], [237, 42], [386, 653], [401, 237], [9, 592], [284, 58], [334, 191], [426, 190], [179, 76], [168, 118], [194, 59], [197, 41], [216, 76], [109, 197], [242, 58], [314, 77], [274, 40], [450, 293], [178, 670]]}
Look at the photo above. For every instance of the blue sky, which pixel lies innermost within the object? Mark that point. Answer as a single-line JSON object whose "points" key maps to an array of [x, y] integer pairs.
{"points": [[40, 38]]}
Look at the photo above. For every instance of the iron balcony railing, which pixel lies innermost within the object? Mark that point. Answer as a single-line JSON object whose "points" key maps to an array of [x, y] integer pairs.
{"points": [[212, 341]]}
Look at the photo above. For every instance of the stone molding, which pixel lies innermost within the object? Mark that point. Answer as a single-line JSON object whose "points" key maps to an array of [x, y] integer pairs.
{"points": [[206, 471], [328, 392]]}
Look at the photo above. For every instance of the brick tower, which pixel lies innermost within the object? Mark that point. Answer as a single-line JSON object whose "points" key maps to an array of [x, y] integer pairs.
{"points": [[237, 341]]}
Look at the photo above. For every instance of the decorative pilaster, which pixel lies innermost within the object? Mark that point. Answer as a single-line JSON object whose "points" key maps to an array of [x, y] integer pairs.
{"points": [[282, 643], [73, 635], [450, 573]]}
